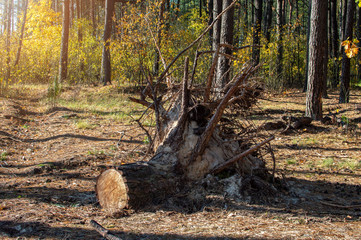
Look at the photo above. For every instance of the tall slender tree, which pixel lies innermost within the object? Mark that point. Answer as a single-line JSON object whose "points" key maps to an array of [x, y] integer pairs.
{"points": [[105, 73], [308, 45], [63, 64], [217, 9], [9, 8], [317, 58], [226, 37], [268, 20], [257, 31], [345, 71], [280, 22], [159, 37], [22, 30], [334, 43]]}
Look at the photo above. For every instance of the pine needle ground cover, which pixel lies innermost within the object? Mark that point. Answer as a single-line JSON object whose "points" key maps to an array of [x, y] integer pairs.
{"points": [[52, 153]]}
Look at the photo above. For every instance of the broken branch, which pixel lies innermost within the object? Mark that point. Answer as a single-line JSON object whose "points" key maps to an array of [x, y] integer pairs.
{"points": [[103, 231], [240, 156]]}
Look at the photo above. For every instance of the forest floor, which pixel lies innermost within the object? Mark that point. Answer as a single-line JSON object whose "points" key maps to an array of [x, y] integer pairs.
{"points": [[51, 154]]}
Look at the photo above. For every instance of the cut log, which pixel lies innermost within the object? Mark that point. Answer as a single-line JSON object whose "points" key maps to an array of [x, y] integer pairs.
{"points": [[138, 184]]}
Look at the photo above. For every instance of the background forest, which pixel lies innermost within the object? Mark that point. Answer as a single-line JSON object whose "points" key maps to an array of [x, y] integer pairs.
{"points": [[31, 39]]}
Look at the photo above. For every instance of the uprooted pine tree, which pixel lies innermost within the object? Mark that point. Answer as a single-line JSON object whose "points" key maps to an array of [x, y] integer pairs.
{"points": [[201, 130]]}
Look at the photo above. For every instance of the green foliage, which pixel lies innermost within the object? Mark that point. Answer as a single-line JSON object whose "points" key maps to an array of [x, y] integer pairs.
{"points": [[84, 125], [328, 162], [3, 155], [291, 161], [54, 91]]}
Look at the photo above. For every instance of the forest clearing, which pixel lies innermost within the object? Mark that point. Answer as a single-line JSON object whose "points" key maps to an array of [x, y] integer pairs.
{"points": [[180, 119], [54, 154]]}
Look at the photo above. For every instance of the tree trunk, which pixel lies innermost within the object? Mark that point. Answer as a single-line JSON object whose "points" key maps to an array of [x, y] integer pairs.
{"points": [[226, 37], [291, 2], [92, 16], [343, 16], [279, 64], [345, 72], [268, 20], [136, 185], [308, 46], [358, 31], [9, 8], [105, 73], [257, 31], [21, 33], [217, 9], [317, 58], [335, 44], [159, 38], [63, 65]]}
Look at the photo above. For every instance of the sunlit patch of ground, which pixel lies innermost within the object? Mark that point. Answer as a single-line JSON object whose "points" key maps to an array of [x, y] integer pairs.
{"points": [[51, 154]]}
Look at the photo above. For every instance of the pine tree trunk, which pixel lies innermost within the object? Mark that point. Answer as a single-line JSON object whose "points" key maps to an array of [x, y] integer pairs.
{"points": [[217, 9], [226, 37], [21, 33], [279, 64], [343, 16], [345, 71], [159, 38], [105, 73], [317, 58], [268, 20], [63, 65], [9, 8], [257, 31], [308, 46], [335, 44]]}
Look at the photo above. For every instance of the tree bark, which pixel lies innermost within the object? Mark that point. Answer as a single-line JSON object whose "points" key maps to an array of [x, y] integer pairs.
{"points": [[216, 30], [226, 37], [345, 72], [105, 73], [257, 31], [308, 45], [159, 38], [279, 64], [92, 16], [268, 20], [317, 58], [21, 33], [335, 44], [343, 16], [9, 7], [358, 31], [63, 65]]}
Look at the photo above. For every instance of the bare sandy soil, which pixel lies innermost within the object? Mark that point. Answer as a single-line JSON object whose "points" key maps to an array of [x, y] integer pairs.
{"points": [[49, 165]]}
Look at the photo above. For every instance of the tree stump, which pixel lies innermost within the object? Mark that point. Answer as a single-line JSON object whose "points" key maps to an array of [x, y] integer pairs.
{"points": [[192, 140]]}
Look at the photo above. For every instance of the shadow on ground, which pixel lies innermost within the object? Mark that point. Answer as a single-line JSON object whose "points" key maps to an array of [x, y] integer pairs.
{"points": [[43, 230]]}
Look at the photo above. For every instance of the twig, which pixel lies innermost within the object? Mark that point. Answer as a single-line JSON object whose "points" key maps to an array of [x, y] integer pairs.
{"points": [[240, 156], [340, 206], [102, 231]]}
